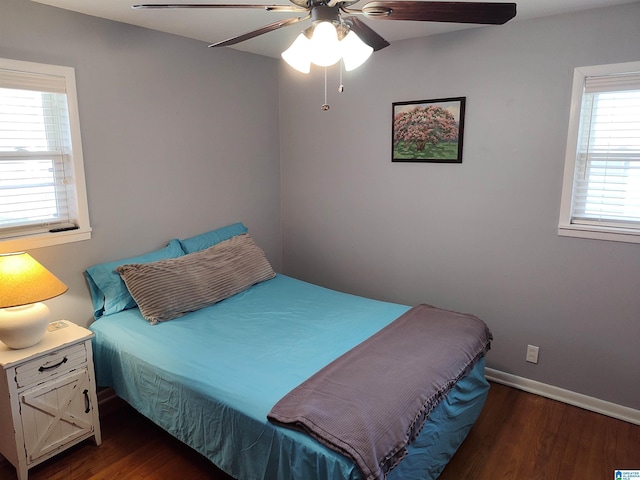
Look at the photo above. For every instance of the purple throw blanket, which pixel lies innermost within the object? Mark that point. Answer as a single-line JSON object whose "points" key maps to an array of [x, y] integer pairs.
{"points": [[371, 402]]}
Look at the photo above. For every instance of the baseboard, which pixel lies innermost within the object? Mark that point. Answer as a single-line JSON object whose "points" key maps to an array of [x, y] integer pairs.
{"points": [[566, 396], [108, 401], [105, 395]]}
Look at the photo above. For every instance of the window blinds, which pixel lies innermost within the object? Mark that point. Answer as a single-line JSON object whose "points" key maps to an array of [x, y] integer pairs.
{"points": [[36, 184], [38, 82], [607, 174]]}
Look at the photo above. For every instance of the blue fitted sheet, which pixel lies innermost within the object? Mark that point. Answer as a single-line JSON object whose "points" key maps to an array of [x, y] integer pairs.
{"points": [[210, 378]]}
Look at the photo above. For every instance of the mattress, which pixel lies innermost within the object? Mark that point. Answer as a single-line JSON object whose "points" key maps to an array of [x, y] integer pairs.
{"points": [[211, 377]]}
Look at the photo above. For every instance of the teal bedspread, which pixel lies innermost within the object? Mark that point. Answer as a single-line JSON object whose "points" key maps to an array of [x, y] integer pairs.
{"points": [[211, 377]]}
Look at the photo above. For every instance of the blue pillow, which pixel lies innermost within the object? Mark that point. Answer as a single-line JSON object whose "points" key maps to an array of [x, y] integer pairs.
{"points": [[209, 239], [108, 292]]}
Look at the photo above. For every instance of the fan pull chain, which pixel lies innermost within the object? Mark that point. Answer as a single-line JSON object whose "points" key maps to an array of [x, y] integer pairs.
{"points": [[341, 86], [325, 105]]}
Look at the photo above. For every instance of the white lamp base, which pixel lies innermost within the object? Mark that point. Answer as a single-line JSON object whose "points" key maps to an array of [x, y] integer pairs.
{"points": [[24, 326]]}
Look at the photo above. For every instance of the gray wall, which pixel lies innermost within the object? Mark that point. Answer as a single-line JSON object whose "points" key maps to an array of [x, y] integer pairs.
{"points": [[478, 237], [177, 138]]}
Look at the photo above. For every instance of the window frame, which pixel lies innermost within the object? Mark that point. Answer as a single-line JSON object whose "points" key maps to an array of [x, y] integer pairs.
{"points": [[565, 225], [83, 232]]}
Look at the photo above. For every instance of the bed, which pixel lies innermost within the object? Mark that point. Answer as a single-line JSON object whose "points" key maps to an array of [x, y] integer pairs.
{"points": [[212, 376]]}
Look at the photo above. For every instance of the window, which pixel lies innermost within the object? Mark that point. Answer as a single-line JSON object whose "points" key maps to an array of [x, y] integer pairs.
{"points": [[42, 191], [601, 190]]}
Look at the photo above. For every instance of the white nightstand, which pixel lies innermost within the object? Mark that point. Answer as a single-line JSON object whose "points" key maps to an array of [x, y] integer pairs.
{"points": [[47, 396]]}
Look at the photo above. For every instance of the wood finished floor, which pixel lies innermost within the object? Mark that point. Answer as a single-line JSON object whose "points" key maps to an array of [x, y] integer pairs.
{"points": [[518, 436]]}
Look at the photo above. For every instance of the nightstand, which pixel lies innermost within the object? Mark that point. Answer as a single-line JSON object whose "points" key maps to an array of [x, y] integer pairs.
{"points": [[47, 396]]}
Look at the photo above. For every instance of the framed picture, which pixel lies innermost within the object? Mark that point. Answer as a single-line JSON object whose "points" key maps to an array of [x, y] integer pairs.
{"points": [[428, 130]]}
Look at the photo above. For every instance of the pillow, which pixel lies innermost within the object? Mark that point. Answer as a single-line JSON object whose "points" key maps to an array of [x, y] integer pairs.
{"points": [[108, 292], [209, 239], [168, 289]]}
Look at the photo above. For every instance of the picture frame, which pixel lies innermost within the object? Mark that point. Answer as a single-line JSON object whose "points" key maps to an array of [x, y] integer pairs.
{"points": [[428, 130]]}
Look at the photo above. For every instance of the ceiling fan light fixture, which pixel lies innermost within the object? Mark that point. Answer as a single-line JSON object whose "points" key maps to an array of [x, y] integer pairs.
{"points": [[325, 47], [354, 51], [322, 45], [298, 54]]}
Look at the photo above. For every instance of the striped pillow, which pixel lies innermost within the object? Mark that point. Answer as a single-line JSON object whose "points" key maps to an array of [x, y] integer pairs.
{"points": [[169, 288]]}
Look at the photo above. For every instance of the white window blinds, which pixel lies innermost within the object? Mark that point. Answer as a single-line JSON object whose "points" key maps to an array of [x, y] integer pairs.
{"points": [[607, 175], [38, 158]]}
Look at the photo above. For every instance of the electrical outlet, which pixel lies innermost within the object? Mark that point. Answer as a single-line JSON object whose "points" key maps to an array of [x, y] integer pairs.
{"points": [[532, 353]]}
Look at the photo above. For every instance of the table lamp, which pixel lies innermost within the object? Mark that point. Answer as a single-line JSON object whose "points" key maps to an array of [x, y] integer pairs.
{"points": [[24, 284]]}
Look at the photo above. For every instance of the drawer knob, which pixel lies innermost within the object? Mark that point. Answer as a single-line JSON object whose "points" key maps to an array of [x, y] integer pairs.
{"points": [[51, 367]]}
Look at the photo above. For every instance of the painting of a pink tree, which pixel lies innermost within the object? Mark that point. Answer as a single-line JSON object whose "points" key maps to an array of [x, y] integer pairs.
{"points": [[428, 130]]}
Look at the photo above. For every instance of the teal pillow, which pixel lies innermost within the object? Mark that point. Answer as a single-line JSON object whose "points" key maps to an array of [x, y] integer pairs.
{"points": [[108, 292], [209, 239]]}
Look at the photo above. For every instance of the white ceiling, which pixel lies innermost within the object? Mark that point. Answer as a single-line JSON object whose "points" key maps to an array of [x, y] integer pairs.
{"points": [[216, 25]]}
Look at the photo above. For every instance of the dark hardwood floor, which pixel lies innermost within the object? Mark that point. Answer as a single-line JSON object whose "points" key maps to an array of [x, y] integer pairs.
{"points": [[518, 436], [524, 436]]}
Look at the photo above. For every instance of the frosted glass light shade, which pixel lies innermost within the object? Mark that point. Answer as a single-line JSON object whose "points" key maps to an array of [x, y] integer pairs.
{"points": [[325, 47], [354, 51], [23, 284], [298, 55]]}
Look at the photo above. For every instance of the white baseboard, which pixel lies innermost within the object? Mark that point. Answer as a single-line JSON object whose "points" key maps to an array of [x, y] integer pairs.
{"points": [[566, 396]]}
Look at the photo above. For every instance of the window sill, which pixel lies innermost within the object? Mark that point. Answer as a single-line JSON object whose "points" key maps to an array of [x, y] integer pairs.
{"points": [[44, 240], [600, 233]]}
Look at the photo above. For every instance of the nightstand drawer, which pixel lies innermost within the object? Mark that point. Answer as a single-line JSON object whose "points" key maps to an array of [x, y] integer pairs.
{"points": [[55, 363]]}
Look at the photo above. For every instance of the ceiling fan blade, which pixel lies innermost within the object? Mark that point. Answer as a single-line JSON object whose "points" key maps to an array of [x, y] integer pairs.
{"points": [[489, 13], [270, 8], [366, 33], [260, 31]]}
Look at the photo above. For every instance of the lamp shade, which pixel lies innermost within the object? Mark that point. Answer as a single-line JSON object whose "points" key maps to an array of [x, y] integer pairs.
{"points": [[23, 281], [354, 51], [325, 46], [297, 55]]}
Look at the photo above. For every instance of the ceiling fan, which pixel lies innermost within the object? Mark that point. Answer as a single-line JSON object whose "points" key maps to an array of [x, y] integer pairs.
{"points": [[333, 37], [487, 13]]}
